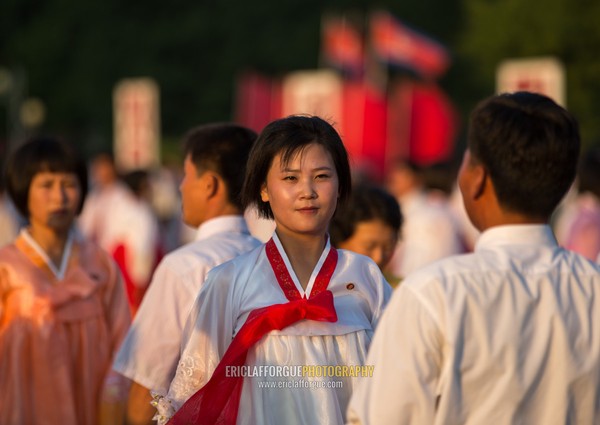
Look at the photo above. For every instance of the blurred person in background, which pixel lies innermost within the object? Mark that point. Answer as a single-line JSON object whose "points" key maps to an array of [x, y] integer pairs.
{"points": [[9, 218], [166, 203], [63, 309], [441, 187], [134, 237], [583, 231], [430, 230], [214, 167], [107, 190], [118, 215], [369, 224]]}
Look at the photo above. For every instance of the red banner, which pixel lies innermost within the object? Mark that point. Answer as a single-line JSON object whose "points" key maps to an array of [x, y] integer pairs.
{"points": [[342, 45], [422, 123], [257, 101], [395, 43]]}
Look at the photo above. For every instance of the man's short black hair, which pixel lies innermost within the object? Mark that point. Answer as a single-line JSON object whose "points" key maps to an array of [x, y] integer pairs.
{"points": [[529, 145], [222, 148]]}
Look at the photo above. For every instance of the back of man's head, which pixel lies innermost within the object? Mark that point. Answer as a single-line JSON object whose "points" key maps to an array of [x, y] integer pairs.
{"points": [[222, 148], [529, 145]]}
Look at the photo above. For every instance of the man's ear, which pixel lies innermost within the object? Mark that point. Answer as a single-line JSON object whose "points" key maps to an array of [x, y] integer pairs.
{"points": [[264, 194], [212, 184], [480, 180]]}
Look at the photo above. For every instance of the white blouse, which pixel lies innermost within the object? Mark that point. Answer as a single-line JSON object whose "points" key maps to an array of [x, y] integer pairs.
{"points": [[287, 394]]}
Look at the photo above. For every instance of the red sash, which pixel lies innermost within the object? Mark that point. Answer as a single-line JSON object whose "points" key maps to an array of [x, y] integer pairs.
{"points": [[218, 401]]}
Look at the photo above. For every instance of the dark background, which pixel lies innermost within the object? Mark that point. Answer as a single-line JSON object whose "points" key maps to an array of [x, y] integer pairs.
{"points": [[70, 53]]}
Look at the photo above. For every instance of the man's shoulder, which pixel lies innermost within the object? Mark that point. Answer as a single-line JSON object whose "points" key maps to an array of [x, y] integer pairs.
{"points": [[239, 265], [209, 252], [454, 267]]}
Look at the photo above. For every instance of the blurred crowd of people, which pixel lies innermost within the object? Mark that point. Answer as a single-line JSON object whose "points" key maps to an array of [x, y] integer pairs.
{"points": [[166, 229], [136, 216]]}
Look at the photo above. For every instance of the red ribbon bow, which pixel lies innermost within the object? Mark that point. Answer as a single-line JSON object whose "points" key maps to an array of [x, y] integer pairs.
{"points": [[217, 402]]}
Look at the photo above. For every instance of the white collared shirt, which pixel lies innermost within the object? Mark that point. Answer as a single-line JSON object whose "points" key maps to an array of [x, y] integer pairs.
{"points": [[509, 334], [150, 351]]}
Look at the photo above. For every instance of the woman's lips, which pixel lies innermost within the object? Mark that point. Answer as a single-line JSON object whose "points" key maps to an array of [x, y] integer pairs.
{"points": [[308, 209]]}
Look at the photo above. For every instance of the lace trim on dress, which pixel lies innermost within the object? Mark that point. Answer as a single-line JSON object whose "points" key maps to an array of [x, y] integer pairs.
{"points": [[189, 380]]}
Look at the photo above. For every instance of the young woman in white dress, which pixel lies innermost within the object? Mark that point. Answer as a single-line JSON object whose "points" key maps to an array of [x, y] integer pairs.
{"points": [[280, 334]]}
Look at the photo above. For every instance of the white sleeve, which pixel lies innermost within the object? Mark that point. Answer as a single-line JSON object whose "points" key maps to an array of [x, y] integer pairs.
{"points": [[151, 348], [383, 293], [208, 334], [406, 352]]}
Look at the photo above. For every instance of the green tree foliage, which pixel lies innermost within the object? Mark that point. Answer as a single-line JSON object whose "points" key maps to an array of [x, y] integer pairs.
{"points": [[73, 52], [566, 29]]}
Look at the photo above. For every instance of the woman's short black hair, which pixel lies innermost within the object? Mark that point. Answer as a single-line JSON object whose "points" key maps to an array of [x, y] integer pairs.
{"points": [[42, 154], [289, 136]]}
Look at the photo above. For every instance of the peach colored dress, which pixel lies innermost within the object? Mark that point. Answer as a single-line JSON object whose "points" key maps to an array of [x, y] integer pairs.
{"points": [[57, 337]]}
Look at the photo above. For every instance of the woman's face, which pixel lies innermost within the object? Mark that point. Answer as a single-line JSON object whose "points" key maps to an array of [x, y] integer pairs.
{"points": [[374, 239], [302, 194], [53, 200]]}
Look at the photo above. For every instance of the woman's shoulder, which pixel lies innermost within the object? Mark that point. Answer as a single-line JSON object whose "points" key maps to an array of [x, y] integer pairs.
{"points": [[243, 262], [11, 258], [234, 272], [8, 251], [359, 268], [356, 260]]}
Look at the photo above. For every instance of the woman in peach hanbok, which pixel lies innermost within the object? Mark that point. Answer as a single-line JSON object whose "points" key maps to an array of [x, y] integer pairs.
{"points": [[63, 310]]}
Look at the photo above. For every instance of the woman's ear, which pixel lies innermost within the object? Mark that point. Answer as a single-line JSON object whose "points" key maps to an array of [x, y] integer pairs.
{"points": [[264, 193]]}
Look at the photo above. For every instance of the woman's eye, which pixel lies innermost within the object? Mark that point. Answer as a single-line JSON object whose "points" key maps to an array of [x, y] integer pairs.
{"points": [[323, 176], [289, 178]]}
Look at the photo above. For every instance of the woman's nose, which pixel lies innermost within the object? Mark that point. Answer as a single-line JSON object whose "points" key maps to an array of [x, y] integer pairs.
{"points": [[308, 190]]}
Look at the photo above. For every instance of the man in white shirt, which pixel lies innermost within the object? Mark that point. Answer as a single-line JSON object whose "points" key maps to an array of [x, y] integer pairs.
{"points": [[9, 218], [509, 334], [214, 170]]}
